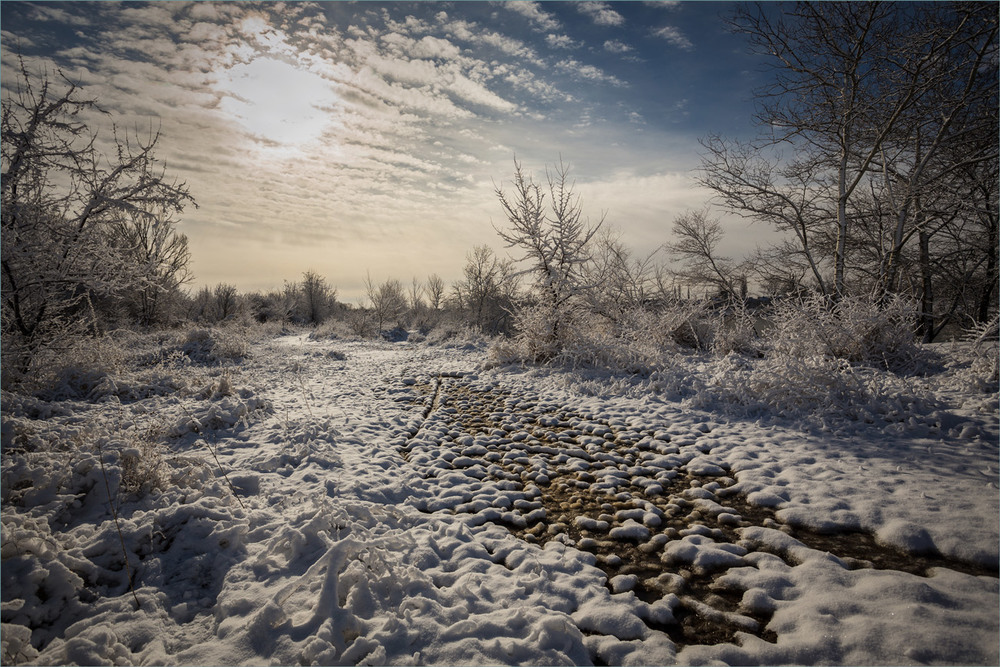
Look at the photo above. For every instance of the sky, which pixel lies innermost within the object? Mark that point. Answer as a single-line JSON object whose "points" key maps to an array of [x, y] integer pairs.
{"points": [[368, 138]]}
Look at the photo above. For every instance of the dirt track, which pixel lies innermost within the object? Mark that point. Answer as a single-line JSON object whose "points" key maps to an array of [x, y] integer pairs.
{"points": [[638, 500]]}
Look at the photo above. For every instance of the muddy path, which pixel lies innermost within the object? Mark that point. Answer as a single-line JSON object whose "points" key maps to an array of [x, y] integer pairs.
{"points": [[654, 508]]}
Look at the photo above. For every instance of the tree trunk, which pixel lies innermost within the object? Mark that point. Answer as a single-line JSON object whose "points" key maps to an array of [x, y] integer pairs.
{"points": [[926, 325]]}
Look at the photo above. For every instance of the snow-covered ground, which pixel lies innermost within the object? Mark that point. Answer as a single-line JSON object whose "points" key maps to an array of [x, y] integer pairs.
{"points": [[340, 502]]}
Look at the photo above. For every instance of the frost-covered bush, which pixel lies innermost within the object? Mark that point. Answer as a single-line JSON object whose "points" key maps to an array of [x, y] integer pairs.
{"points": [[976, 359], [855, 329], [534, 341], [817, 387], [209, 346], [454, 333], [586, 341], [736, 332], [332, 329]]}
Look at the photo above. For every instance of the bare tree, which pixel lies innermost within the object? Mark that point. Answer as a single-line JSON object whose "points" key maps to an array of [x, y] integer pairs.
{"points": [[226, 301], [416, 296], [388, 300], [149, 241], [554, 243], [861, 92], [829, 99], [621, 281], [790, 196], [434, 290], [60, 195], [696, 239], [487, 293]]}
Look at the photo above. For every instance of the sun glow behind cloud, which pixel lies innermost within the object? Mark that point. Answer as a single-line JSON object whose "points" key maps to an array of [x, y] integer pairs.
{"points": [[276, 102]]}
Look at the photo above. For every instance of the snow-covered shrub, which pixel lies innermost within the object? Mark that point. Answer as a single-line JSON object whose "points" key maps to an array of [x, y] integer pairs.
{"points": [[817, 387], [735, 331], [688, 324], [454, 333], [395, 335], [534, 341], [586, 341], [141, 466], [976, 359], [332, 329], [216, 345], [855, 329]]}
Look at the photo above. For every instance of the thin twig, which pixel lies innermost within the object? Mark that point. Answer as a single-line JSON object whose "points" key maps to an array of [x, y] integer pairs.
{"points": [[211, 449], [121, 538], [305, 394]]}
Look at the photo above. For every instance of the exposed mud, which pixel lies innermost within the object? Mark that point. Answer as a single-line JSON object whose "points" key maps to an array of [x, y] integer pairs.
{"points": [[637, 499]]}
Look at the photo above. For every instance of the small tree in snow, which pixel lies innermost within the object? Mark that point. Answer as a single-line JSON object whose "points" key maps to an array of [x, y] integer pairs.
{"points": [[487, 293], [555, 244], [434, 290], [317, 297], [388, 301]]}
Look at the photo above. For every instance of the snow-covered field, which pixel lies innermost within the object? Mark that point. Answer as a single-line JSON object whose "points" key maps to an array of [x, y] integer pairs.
{"points": [[341, 502]]}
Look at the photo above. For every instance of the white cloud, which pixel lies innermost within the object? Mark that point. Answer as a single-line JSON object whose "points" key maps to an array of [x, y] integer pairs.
{"points": [[601, 13], [675, 37], [583, 71], [433, 47], [616, 46], [409, 121], [562, 42], [533, 12]]}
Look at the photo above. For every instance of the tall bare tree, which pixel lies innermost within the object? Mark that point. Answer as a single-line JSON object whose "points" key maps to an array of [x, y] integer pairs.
{"points": [[879, 104], [387, 300], [434, 290], [622, 282], [60, 197]]}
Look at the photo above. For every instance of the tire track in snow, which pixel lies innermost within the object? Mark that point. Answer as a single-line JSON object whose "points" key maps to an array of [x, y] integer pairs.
{"points": [[652, 506]]}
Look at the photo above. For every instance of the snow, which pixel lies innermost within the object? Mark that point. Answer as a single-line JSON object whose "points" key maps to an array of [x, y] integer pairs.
{"points": [[304, 501]]}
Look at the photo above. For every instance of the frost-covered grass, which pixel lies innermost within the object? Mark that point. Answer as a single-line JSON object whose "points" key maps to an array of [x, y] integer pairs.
{"points": [[294, 499]]}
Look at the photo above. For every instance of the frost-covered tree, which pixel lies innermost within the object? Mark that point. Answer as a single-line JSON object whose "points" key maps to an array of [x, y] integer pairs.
{"points": [[317, 298], [150, 242], [696, 237], [387, 301], [555, 244], [487, 293], [434, 290], [61, 198], [225, 301], [871, 112]]}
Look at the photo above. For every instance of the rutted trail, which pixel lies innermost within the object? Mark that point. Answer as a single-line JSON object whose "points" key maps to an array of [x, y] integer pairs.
{"points": [[652, 505], [388, 504]]}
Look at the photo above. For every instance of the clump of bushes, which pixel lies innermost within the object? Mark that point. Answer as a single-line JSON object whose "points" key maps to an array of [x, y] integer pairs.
{"points": [[855, 329]]}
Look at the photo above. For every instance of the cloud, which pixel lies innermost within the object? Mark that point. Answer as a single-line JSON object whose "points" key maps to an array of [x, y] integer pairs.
{"points": [[674, 37], [533, 12], [411, 112], [433, 47], [601, 13], [591, 73], [615, 46], [562, 42]]}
